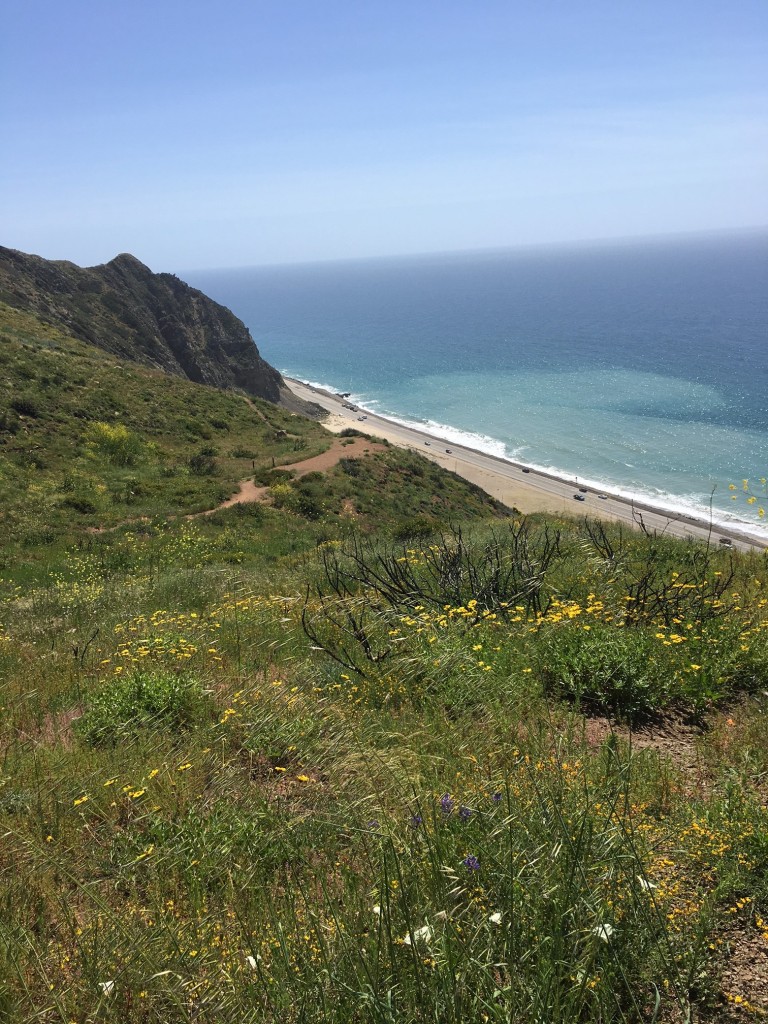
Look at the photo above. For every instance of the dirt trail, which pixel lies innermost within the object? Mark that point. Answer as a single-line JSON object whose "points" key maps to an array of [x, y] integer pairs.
{"points": [[354, 448], [340, 449]]}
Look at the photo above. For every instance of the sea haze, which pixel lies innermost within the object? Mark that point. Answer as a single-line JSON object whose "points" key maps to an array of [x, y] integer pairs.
{"points": [[639, 367]]}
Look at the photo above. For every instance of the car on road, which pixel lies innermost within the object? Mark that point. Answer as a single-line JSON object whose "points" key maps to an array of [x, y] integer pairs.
{"points": [[726, 542], [449, 451], [579, 497], [426, 442], [526, 470], [603, 496], [584, 490]]}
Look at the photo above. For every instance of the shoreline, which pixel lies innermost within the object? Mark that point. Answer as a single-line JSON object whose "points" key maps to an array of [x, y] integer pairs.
{"points": [[519, 486]]}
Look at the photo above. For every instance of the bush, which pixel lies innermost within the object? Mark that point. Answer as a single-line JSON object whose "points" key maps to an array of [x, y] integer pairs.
{"points": [[145, 699], [26, 405], [80, 503], [416, 528], [283, 495], [267, 476], [605, 668], [308, 505], [203, 463], [115, 442]]}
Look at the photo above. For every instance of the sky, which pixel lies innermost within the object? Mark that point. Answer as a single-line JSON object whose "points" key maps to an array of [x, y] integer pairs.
{"points": [[196, 134]]}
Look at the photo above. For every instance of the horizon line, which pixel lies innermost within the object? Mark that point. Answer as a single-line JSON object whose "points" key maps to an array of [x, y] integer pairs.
{"points": [[603, 240]]}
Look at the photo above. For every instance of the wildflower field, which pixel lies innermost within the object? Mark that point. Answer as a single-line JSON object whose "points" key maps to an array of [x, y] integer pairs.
{"points": [[354, 757]]}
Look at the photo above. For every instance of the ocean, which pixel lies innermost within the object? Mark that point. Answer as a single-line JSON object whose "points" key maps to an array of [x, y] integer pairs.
{"points": [[639, 367]]}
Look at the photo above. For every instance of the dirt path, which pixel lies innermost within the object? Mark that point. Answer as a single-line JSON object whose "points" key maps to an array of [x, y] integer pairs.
{"points": [[340, 449]]}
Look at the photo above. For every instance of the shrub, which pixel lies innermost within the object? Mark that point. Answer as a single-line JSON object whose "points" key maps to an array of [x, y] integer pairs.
{"points": [[198, 429], [416, 528], [308, 505], [145, 699], [80, 503], [283, 495], [202, 463], [26, 405], [605, 668], [115, 442], [266, 476]]}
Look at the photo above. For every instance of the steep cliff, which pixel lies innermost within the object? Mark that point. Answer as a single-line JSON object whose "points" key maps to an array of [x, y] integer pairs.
{"points": [[153, 319]]}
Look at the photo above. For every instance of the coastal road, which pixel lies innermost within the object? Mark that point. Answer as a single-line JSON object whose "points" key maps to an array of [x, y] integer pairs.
{"points": [[529, 490]]}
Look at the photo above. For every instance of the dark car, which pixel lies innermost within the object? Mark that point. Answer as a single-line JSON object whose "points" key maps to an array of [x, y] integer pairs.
{"points": [[584, 490], [449, 451], [579, 497], [526, 470]]}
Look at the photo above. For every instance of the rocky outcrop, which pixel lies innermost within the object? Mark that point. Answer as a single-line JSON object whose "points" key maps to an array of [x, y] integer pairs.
{"points": [[153, 319]]}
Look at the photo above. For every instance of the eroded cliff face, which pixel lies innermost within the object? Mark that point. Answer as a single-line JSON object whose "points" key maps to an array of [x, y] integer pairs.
{"points": [[153, 319]]}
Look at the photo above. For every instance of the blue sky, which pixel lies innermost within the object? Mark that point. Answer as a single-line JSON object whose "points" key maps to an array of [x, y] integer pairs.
{"points": [[199, 134]]}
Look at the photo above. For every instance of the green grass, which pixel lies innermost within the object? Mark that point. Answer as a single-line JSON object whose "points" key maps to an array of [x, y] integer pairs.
{"points": [[318, 763]]}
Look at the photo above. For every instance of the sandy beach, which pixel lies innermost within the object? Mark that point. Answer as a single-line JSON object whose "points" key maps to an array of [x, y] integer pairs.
{"points": [[528, 490]]}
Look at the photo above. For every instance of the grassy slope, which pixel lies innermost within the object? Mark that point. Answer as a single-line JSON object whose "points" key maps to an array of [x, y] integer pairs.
{"points": [[401, 816]]}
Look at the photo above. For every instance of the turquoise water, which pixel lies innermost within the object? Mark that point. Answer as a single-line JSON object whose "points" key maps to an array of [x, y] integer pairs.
{"points": [[641, 368]]}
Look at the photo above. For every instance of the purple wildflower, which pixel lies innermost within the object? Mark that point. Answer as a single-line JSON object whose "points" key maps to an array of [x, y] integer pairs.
{"points": [[373, 826], [416, 820], [496, 798], [465, 813], [446, 803], [471, 863]]}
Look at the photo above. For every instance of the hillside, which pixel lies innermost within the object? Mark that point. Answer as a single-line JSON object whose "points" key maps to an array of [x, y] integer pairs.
{"points": [[368, 747], [89, 442], [153, 319]]}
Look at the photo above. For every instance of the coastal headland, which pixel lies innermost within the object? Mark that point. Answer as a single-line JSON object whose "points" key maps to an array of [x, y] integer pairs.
{"points": [[517, 486]]}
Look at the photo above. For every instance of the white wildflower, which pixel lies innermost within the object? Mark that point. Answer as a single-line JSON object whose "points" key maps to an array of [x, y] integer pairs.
{"points": [[645, 884], [107, 987], [421, 936], [603, 931], [252, 961], [377, 911], [495, 918]]}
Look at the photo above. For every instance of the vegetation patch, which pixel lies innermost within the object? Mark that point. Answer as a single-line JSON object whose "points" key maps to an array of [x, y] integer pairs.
{"points": [[143, 699]]}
